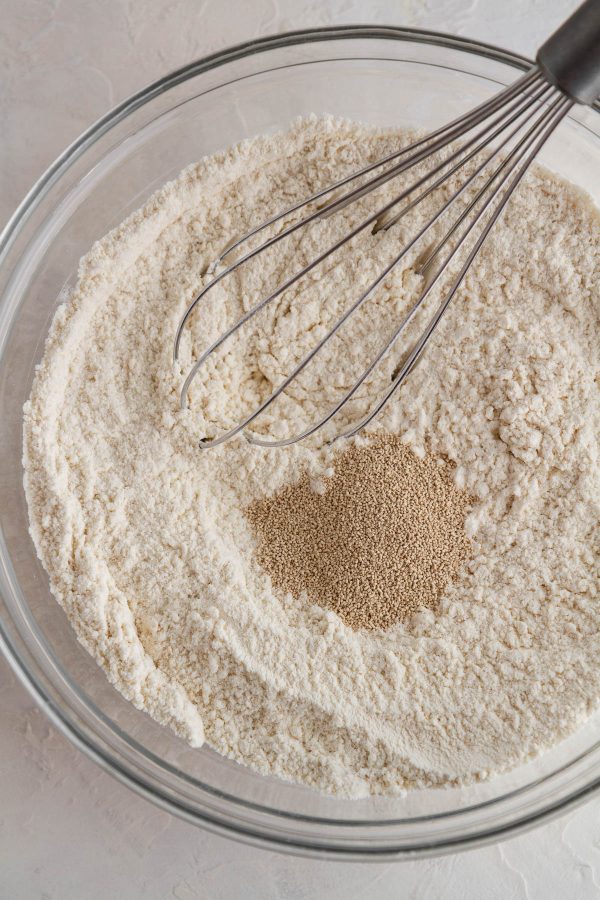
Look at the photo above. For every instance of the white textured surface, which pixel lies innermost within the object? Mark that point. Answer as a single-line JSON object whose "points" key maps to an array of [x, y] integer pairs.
{"points": [[67, 830]]}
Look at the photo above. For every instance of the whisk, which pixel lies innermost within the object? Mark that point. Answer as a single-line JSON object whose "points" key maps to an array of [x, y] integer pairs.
{"points": [[508, 130]]}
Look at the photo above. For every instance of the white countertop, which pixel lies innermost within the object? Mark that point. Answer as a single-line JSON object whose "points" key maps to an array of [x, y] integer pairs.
{"points": [[68, 831]]}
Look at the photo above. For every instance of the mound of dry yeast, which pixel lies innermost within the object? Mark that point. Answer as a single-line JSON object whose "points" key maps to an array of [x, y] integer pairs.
{"points": [[380, 538]]}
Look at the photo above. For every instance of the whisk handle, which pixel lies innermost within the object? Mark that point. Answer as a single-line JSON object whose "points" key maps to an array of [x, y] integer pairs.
{"points": [[570, 58]]}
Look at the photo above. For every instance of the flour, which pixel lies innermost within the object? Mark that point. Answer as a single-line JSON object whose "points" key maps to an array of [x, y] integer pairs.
{"points": [[144, 537]]}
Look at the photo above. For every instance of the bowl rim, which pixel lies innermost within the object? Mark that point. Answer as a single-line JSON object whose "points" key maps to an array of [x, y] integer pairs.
{"points": [[70, 724]]}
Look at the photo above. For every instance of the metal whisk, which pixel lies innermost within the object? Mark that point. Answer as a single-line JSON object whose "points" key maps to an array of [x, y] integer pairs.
{"points": [[508, 130]]}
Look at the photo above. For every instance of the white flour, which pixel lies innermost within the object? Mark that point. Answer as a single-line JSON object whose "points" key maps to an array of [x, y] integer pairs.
{"points": [[145, 540]]}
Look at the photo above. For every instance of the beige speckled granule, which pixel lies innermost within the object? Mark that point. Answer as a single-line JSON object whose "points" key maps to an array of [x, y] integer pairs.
{"points": [[377, 540]]}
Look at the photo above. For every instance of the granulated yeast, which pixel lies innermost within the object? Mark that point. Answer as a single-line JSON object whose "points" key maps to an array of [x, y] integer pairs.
{"points": [[380, 538]]}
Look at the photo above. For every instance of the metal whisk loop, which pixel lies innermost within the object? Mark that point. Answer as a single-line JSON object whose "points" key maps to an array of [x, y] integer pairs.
{"points": [[494, 128], [371, 220], [511, 128], [521, 108]]}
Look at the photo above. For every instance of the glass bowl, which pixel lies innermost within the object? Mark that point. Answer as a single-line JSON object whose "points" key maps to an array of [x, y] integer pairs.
{"points": [[382, 76]]}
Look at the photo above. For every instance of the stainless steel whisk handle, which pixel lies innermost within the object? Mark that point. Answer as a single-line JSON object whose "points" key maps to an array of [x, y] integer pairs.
{"points": [[570, 58]]}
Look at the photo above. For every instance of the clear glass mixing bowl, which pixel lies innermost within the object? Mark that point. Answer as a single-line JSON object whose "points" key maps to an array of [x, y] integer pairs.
{"points": [[383, 76]]}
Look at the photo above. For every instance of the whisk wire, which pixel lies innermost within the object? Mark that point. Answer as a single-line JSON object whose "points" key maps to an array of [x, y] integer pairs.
{"points": [[413, 358], [564, 104], [488, 106], [449, 133], [513, 112], [488, 151], [522, 106]]}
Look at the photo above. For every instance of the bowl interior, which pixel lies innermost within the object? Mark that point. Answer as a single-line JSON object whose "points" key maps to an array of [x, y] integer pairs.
{"points": [[378, 76]]}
